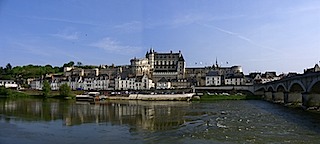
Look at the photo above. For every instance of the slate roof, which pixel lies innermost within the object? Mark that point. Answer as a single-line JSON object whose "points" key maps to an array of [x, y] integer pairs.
{"points": [[163, 80], [213, 73]]}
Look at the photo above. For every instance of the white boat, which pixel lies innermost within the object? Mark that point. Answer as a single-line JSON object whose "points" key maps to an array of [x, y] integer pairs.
{"points": [[90, 96]]}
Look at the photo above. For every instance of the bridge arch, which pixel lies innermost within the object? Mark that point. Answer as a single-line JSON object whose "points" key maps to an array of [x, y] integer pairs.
{"points": [[314, 86], [296, 86], [261, 88], [270, 88], [281, 88]]}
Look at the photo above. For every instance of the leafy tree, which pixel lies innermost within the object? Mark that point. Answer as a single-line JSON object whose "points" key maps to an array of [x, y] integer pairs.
{"points": [[8, 67], [1, 70], [79, 63], [46, 89], [4, 91], [65, 90], [70, 64]]}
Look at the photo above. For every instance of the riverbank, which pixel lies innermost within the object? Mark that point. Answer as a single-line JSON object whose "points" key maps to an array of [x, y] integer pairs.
{"points": [[12, 93], [207, 97], [157, 97]]}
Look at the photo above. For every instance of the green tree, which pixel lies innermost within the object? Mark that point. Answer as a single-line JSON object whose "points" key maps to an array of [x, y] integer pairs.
{"points": [[8, 67], [70, 64], [4, 91], [79, 63], [46, 89], [65, 90]]}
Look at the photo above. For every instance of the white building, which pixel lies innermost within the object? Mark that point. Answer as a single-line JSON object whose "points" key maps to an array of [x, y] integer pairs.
{"points": [[140, 66], [8, 83], [75, 83], [264, 78], [235, 79], [213, 78], [54, 85], [125, 83], [143, 83], [36, 84], [133, 83], [163, 84], [101, 82], [93, 83]]}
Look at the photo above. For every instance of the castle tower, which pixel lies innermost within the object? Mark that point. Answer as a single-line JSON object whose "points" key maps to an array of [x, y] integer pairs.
{"points": [[150, 57]]}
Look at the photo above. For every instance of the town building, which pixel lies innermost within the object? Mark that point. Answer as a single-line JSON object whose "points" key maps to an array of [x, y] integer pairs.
{"points": [[316, 68], [235, 79], [144, 83], [213, 78], [92, 82], [8, 84], [259, 78], [130, 82], [163, 83], [36, 84], [140, 66], [197, 75]]}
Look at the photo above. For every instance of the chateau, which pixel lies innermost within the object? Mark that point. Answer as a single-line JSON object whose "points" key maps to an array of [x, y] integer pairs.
{"points": [[171, 65]]}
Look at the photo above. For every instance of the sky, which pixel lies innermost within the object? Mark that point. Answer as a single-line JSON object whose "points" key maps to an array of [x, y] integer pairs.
{"points": [[259, 35]]}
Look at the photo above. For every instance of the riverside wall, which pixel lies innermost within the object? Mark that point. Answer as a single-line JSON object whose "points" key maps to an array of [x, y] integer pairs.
{"points": [[156, 97]]}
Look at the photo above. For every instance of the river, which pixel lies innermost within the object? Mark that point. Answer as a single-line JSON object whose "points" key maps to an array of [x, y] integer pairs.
{"points": [[40, 121]]}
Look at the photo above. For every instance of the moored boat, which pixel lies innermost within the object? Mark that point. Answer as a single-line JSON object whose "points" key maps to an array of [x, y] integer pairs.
{"points": [[89, 96]]}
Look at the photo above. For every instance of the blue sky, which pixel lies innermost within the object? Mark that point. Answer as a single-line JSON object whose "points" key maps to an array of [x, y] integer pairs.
{"points": [[262, 35]]}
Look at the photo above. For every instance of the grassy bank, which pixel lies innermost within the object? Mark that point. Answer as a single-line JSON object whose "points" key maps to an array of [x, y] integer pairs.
{"points": [[207, 97], [51, 93], [11, 93], [34, 93]]}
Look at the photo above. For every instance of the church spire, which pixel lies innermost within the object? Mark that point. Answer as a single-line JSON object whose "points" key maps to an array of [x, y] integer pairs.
{"points": [[217, 62]]}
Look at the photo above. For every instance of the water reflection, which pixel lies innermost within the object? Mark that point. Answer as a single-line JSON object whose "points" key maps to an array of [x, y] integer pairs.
{"points": [[156, 122], [145, 115]]}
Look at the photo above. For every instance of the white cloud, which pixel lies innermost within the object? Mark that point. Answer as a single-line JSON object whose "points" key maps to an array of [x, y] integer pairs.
{"points": [[62, 20], [239, 36], [113, 46], [134, 26], [67, 36], [187, 19]]}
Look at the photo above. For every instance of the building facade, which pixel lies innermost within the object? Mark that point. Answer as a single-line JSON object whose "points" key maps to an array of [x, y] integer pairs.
{"points": [[8, 83], [213, 78], [168, 65], [140, 66]]}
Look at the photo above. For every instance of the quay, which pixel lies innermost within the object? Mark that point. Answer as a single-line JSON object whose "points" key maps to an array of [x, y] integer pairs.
{"points": [[154, 97]]}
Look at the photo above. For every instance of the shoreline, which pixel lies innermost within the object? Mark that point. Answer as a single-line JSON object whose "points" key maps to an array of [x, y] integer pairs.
{"points": [[157, 97]]}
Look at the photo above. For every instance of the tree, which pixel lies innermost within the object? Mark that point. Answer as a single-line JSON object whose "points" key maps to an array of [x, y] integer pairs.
{"points": [[65, 90], [70, 64], [8, 69], [8, 66], [1, 70], [79, 63], [46, 89]]}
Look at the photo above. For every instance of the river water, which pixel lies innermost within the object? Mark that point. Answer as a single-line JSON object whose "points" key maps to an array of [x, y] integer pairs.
{"points": [[40, 121]]}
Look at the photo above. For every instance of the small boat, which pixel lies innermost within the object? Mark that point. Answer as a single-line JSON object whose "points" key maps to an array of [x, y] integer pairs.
{"points": [[90, 96]]}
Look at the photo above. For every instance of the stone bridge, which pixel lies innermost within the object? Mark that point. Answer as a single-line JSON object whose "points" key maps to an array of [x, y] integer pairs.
{"points": [[302, 90], [248, 88]]}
